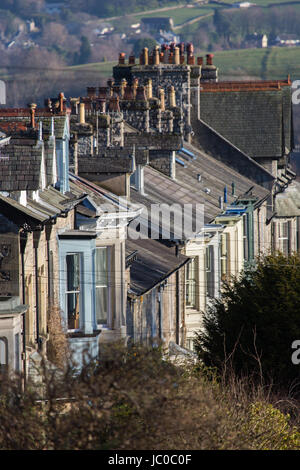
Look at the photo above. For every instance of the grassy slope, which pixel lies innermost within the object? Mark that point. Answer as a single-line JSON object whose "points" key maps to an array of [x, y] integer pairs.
{"points": [[179, 15], [267, 63], [274, 62]]}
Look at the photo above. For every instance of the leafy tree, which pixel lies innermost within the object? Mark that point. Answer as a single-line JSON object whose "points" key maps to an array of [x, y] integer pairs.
{"points": [[84, 52], [255, 321], [139, 45]]}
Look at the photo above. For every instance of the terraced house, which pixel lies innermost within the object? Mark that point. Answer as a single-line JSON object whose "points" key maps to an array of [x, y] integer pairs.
{"points": [[128, 207]]}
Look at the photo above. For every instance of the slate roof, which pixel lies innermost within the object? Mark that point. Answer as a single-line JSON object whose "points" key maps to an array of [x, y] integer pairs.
{"points": [[154, 263], [215, 175], [255, 117], [187, 189], [20, 167], [51, 204]]}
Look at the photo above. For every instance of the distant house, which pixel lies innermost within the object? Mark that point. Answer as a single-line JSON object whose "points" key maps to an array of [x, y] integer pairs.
{"points": [[257, 40], [167, 37], [287, 40], [243, 5], [157, 24]]}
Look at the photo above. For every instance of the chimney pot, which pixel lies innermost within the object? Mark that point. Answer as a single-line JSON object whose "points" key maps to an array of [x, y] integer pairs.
{"points": [[156, 56], [172, 97], [190, 48], [81, 113], [162, 99], [131, 60], [61, 98], [181, 48], [145, 56], [209, 59], [176, 55], [199, 60], [114, 104], [135, 86], [102, 92], [149, 88], [128, 93], [91, 91], [32, 107], [141, 94], [191, 60], [110, 82], [122, 58]]}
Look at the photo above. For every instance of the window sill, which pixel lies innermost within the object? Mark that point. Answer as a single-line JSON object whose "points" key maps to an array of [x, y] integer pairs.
{"points": [[81, 334]]}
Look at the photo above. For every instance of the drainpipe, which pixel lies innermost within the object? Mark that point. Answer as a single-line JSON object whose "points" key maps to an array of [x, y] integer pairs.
{"points": [[36, 237], [177, 300], [258, 229], [160, 313], [48, 234], [23, 240]]}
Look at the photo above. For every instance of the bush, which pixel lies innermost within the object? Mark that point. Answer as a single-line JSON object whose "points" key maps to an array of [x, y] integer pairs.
{"points": [[136, 399], [255, 321]]}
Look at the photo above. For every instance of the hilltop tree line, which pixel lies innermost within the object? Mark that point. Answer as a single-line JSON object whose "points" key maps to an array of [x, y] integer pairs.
{"points": [[232, 24], [105, 8]]}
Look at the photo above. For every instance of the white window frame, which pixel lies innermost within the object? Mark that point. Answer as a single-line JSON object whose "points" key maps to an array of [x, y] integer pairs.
{"points": [[192, 282], [108, 249], [78, 291]]}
